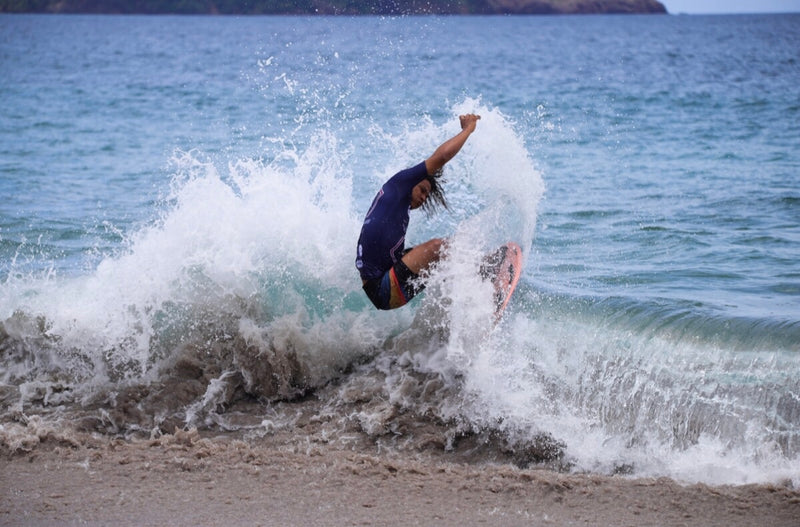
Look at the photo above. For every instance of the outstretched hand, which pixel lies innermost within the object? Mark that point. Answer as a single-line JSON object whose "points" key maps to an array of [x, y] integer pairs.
{"points": [[469, 121], [449, 148]]}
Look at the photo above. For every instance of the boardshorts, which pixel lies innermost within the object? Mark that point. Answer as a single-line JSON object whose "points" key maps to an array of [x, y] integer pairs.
{"points": [[395, 288]]}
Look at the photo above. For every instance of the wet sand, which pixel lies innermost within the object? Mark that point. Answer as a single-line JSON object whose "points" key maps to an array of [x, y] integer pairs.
{"points": [[186, 479]]}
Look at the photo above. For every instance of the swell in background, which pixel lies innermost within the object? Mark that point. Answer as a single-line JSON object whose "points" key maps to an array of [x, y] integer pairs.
{"points": [[655, 330]]}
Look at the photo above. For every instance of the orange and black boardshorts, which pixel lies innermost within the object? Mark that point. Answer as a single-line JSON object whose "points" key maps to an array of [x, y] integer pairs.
{"points": [[395, 288]]}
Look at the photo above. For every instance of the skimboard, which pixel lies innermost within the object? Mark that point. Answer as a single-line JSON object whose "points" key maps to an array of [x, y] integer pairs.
{"points": [[503, 267]]}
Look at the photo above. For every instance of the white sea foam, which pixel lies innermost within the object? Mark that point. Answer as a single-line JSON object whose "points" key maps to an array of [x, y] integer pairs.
{"points": [[259, 254]]}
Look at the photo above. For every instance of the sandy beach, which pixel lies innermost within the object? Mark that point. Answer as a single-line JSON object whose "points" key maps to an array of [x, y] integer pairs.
{"points": [[186, 479]]}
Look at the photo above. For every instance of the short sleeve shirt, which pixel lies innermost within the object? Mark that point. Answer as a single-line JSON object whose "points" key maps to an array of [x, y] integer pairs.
{"points": [[383, 233]]}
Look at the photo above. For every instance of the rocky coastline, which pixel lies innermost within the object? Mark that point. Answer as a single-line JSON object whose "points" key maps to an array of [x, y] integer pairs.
{"points": [[335, 7]]}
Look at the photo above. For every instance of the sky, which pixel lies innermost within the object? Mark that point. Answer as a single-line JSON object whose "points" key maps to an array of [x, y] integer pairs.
{"points": [[697, 7]]}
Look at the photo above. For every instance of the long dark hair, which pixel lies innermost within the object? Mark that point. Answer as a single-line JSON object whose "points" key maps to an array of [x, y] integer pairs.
{"points": [[436, 196]]}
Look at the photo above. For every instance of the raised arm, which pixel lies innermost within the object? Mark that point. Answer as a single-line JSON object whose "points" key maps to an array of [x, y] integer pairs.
{"points": [[451, 147]]}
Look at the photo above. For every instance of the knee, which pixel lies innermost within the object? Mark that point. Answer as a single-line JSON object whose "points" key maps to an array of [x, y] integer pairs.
{"points": [[435, 245], [423, 255]]}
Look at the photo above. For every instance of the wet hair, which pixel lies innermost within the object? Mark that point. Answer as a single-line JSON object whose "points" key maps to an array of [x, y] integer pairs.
{"points": [[436, 197]]}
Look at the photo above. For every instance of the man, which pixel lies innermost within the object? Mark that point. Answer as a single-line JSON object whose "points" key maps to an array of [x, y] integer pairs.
{"points": [[389, 272]]}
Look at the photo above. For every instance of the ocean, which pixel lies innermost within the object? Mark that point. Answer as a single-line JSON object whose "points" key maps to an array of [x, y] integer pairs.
{"points": [[181, 199]]}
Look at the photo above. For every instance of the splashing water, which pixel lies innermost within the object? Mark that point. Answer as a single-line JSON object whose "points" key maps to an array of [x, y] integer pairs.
{"points": [[245, 283]]}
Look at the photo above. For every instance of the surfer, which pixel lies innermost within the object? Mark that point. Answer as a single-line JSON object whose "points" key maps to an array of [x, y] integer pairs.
{"points": [[389, 272]]}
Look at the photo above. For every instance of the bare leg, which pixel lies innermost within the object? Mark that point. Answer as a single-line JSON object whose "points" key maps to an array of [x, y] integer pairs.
{"points": [[424, 255]]}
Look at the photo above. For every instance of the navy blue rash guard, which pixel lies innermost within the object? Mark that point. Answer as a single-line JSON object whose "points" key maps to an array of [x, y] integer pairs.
{"points": [[383, 234]]}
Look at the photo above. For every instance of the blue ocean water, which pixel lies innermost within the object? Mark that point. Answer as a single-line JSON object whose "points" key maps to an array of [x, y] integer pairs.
{"points": [[161, 176]]}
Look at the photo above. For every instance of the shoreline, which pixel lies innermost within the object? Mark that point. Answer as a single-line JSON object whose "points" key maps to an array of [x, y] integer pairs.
{"points": [[186, 479]]}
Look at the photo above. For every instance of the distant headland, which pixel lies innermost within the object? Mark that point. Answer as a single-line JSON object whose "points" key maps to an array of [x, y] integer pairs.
{"points": [[335, 7]]}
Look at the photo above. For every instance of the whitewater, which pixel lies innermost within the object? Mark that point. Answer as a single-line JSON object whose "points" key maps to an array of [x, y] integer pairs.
{"points": [[178, 230]]}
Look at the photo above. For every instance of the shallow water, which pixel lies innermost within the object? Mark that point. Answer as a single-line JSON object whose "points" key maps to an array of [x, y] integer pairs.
{"points": [[182, 196]]}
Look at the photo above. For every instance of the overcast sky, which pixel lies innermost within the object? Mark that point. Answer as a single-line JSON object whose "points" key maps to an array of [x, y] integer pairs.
{"points": [[731, 6]]}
